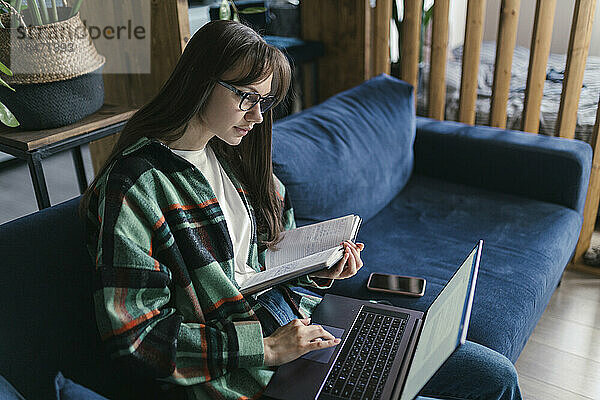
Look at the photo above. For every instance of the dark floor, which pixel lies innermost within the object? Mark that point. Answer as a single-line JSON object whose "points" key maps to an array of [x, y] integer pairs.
{"points": [[16, 191]]}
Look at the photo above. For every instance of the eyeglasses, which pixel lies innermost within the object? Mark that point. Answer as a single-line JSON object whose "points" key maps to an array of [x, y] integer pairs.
{"points": [[250, 99]]}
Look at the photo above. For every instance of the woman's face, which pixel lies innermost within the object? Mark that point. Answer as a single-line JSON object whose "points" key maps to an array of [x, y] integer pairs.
{"points": [[223, 117]]}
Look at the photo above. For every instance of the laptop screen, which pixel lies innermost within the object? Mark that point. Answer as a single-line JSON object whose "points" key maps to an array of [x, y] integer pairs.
{"points": [[443, 326]]}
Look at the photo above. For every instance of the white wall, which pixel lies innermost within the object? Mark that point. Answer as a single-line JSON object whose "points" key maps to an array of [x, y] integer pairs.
{"points": [[562, 25], [456, 23]]}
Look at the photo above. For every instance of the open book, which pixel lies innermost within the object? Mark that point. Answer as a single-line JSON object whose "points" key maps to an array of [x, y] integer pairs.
{"points": [[304, 250]]}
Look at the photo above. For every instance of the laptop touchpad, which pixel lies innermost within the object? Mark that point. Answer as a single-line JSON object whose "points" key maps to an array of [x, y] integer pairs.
{"points": [[324, 355]]}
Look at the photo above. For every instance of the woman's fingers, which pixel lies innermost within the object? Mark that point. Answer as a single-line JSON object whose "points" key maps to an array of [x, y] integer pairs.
{"points": [[322, 344], [354, 263], [309, 332], [350, 269], [318, 332], [349, 264], [295, 339], [357, 260], [359, 246], [321, 339]]}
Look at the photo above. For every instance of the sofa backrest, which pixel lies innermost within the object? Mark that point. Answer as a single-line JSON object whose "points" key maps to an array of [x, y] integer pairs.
{"points": [[47, 311], [351, 154]]}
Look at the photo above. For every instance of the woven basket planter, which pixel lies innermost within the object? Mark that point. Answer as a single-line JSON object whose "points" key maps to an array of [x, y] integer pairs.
{"points": [[57, 78]]}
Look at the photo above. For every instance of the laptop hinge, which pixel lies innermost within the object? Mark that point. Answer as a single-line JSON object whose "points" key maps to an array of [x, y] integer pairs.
{"points": [[410, 352]]}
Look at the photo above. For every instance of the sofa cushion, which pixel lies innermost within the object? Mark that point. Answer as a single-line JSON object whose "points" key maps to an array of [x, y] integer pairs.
{"points": [[46, 296], [7, 391], [430, 228], [550, 169], [66, 389], [335, 159]]}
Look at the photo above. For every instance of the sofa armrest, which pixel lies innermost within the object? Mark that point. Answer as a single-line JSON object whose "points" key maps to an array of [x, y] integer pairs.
{"points": [[549, 169]]}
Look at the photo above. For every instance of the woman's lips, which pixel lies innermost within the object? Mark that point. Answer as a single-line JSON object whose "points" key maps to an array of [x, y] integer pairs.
{"points": [[241, 131]]}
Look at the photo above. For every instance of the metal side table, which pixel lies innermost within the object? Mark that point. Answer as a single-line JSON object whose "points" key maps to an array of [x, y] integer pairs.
{"points": [[34, 146]]}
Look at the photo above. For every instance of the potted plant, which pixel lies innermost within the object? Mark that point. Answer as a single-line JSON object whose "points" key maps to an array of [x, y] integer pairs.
{"points": [[251, 14], [6, 117], [56, 69]]}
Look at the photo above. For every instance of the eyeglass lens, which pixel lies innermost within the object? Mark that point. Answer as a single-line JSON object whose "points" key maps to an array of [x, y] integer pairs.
{"points": [[251, 99]]}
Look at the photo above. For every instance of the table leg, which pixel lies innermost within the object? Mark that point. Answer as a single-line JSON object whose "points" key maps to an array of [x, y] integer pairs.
{"points": [[34, 160], [79, 168]]}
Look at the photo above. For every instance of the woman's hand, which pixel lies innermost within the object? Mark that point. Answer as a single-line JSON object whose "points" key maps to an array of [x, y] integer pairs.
{"points": [[295, 339], [348, 266]]}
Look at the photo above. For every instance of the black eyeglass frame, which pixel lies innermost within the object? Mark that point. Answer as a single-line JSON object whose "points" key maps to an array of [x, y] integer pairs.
{"points": [[244, 96]]}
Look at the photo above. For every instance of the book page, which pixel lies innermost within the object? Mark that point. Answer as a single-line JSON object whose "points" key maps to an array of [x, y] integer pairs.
{"points": [[310, 239], [293, 269]]}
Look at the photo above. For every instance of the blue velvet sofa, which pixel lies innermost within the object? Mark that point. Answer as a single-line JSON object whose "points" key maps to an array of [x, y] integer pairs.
{"points": [[426, 190]]}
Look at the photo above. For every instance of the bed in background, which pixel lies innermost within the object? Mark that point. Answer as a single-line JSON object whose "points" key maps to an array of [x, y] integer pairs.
{"points": [[588, 102]]}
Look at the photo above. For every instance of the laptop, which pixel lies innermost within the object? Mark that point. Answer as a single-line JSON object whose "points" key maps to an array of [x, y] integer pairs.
{"points": [[386, 352]]}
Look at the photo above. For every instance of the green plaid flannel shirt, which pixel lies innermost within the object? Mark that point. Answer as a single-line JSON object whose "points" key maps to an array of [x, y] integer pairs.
{"points": [[165, 295]]}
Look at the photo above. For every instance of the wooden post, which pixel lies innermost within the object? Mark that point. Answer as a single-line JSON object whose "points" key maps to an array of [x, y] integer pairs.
{"points": [[356, 40], [345, 63], [437, 72], [538, 60], [411, 40], [170, 32], [382, 15], [579, 43], [505, 46], [470, 62], [591, 205]]}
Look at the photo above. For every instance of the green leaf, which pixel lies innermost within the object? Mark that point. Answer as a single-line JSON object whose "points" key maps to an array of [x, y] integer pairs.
{"points": [[35, 12], [224, 10], [6, 117], [253, 10], [75, 8], [427, 16], [5, 84], [5, 69]]}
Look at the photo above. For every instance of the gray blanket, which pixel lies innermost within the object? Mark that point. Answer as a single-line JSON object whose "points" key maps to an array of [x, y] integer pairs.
{"points": [[588, 103]]}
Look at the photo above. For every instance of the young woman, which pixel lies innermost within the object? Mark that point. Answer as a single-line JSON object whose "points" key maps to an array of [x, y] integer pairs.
{"points": [[180, 216], [182, 213]]}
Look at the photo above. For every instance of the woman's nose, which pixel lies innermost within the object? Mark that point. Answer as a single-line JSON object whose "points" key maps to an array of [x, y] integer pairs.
{"points": [[254, 114]]}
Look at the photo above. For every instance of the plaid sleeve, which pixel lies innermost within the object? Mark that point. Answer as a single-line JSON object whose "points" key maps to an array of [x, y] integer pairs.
{"points": [[133, 302]]}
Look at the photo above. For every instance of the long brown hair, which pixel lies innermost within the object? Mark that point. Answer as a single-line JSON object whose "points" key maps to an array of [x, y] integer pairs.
{"points": [[217, 48]]}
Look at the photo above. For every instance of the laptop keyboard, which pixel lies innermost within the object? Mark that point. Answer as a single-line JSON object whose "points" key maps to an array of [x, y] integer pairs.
{"points": [[363, 364]]}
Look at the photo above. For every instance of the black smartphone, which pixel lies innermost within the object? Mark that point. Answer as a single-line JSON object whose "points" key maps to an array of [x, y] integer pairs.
{"points": [[406, 285]]}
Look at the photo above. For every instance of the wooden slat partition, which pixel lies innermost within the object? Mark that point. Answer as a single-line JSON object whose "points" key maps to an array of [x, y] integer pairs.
{"points": [[381, 16], [579, 43], [590, 211], [470, 63], [346, 40], [538, 60], [505, 46], [411, 31], [439, 47]]}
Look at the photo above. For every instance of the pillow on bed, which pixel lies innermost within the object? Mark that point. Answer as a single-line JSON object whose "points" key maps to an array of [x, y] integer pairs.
{"points": [[351, 154]]}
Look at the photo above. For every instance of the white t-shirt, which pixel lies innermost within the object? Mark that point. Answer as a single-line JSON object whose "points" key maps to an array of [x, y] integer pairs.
{"points": [[236, 215]]}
